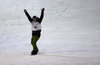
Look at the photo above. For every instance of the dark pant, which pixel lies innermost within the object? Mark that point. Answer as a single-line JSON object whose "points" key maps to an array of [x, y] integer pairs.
{"points": [[34, 40], [35, 37]]}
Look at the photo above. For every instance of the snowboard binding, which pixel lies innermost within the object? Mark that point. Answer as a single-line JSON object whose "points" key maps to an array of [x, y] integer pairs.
{"points": [[34, 52]]}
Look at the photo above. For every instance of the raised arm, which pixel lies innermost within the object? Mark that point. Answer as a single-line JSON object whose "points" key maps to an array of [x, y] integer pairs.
{"points": [[42, 15], [28, 16]]}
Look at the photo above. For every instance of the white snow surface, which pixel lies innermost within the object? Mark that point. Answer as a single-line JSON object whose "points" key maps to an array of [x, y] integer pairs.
{"points": [[70, 32]]}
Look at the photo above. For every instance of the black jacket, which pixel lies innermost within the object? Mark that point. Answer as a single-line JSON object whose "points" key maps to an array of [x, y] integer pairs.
{"points": [[35, 33]]}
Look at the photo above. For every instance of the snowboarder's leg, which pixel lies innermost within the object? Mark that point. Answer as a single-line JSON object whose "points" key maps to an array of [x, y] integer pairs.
{"points": [[33, 42]]}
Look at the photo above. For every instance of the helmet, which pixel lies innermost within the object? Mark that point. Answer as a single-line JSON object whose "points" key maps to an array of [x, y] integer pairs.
{"points": [[34, 16]]}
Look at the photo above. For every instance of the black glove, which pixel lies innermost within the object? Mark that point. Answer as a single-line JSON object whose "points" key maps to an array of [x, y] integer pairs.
{"points": [[25, 10], [42, 9]]}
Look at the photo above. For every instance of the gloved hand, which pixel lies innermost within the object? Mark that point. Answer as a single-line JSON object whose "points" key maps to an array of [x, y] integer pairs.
{"points": [[25, 10], [42, 9]]}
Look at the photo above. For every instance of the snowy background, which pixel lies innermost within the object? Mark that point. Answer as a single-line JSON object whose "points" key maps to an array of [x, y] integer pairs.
{"points": [[70, 32]]}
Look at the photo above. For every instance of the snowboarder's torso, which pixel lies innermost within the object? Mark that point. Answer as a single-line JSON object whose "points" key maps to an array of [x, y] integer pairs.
{"points": [[36, 26]]}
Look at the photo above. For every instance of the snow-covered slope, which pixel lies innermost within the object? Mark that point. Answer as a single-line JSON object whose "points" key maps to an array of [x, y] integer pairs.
{"points": [[69, 27]]}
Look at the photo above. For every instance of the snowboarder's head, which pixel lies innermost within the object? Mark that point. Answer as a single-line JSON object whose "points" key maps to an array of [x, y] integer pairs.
{"points": [[35, 18]]}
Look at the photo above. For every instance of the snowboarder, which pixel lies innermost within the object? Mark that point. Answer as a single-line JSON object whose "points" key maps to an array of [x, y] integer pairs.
{"points": [[36, 29]]}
